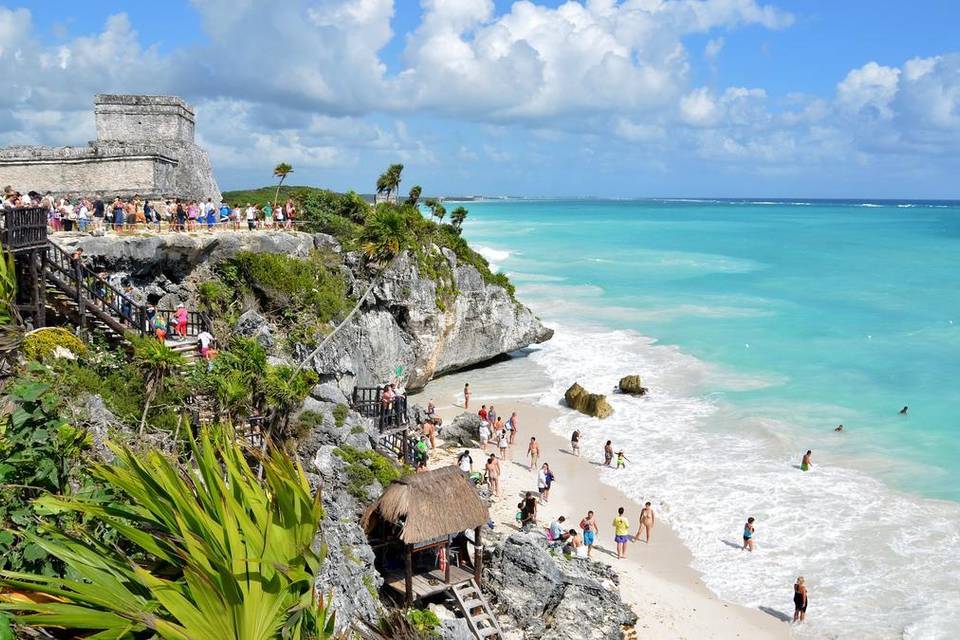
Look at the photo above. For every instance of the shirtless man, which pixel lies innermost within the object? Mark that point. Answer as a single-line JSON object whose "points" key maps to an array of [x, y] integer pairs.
{"points": [[533, 450], [646, 522], [807, 461], [492, 469], [514, 424], [590, 532]]}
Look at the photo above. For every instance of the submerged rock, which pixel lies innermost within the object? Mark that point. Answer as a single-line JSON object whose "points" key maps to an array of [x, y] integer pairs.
{"points": [[552, 598], [592, 404], [632, 385]]}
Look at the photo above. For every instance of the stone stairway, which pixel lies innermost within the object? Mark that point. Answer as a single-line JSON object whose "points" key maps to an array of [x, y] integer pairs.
{"points": [[483, 624]]}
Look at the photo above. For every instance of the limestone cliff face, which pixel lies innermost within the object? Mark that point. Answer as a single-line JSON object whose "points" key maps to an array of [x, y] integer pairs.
{"points": [[400, 323]]}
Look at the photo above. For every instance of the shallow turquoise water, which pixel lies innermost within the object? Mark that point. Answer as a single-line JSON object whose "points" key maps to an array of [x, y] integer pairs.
{"points": [[816, 314]]}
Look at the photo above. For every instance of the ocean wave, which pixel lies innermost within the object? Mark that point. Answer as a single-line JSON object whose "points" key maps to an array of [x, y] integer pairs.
{"points": [[868, 204], [491, 254], [880, 564]]}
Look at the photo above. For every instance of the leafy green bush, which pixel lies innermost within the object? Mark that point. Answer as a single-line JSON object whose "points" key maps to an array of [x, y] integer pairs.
{"points": [[40, 344], [285, 284], [340, 414], [214, 295], [423, 619], [363, 467]]}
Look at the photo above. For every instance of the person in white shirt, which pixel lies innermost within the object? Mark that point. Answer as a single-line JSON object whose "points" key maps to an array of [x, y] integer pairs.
{"points": [[251, 217], [205, 338]]}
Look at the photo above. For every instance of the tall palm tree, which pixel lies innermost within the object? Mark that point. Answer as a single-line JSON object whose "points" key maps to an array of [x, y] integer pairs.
{"points": [[414, 196], [281, 171], [389, 180], [386, 236], [156, 361], [457, 216], [437, 210]]}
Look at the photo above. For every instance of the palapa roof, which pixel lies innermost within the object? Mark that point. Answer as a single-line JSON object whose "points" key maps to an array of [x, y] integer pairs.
{"points": [[428, 505]]}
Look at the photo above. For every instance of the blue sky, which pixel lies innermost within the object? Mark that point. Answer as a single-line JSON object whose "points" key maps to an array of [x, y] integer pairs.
{"points": [[626, 98]]}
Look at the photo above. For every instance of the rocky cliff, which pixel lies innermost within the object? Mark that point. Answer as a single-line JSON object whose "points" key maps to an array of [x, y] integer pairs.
{"points": [[402, 323]]}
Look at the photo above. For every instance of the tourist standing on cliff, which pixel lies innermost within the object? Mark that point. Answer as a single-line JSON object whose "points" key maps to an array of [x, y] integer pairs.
{"points": [[289, 213], [117, 215], [466, 396], [621, 533]]}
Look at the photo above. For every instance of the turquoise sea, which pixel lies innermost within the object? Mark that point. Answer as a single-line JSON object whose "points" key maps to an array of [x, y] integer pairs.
{"points": [[759, 327]]}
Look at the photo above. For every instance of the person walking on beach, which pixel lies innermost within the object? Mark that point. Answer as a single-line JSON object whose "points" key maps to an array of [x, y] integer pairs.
{"points": [[748, 531], [799, 600], [503, 443], [621, 533], [533, 450], [608, 453], [589, 527], [807, 461], [646, 522], [492, 470], [575, 443], [514, 423], [484, 435], [466, 396]]}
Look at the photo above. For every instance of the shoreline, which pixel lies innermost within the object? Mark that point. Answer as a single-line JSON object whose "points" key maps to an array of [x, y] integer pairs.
{"points": [[657, 580]]}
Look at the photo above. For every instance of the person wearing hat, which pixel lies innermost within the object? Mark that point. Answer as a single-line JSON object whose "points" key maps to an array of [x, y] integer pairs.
{"points": [[180, 315]]}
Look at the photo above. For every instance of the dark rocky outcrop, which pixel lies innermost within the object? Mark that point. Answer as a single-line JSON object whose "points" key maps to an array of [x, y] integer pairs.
{"points": [[463, 430], [551, 598], [592, 404], [632, 385]]}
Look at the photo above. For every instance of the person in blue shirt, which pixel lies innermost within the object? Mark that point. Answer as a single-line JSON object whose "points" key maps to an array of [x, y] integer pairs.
{"points": [[211, 217], [224, 212]]}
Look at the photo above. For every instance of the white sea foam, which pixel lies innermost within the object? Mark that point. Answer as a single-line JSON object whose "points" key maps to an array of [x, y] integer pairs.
{"points": [[491, 254], [868, 204], [879, 564]]}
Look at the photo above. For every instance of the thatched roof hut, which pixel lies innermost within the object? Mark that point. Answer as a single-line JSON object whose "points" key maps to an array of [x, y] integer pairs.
{"points": [[429, 505]]}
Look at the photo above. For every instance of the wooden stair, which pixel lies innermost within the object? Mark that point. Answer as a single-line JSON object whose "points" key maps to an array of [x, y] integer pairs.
{"points": [[483, 624]]}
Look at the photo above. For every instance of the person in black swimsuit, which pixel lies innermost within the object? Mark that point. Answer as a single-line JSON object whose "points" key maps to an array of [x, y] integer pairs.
{"points": [[799, 600]]}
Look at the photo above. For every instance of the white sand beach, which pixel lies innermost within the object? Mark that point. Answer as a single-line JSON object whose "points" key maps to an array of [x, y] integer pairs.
{"points": [[656, 580]]}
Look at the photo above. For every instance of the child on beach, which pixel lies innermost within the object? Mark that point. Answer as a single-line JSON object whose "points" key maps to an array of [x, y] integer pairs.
{"points": [[748, 531], [503, 443], [622, 460], [621, 533], [575, 448]]}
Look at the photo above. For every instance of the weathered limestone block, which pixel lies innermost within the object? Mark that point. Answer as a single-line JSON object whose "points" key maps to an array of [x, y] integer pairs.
{"points": [[592, 404], [632, 385]]}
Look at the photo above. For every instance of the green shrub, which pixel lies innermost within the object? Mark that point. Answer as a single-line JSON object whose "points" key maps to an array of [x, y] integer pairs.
{"points": [[40, 344], [363, 467], [214, 296], [340, 414], [284, 284], [423, 619]]}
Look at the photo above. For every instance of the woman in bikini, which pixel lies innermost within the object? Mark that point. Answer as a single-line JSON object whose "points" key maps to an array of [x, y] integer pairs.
{"points": [[799, 600], [748, 531], [646, 522]]}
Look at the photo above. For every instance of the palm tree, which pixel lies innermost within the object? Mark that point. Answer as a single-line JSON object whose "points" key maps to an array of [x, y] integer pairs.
{"points": [[156, 361], [281, 171], [389, 180], [414, 196], [457, 216], [437, 210], [386, 236], [236, 555]]}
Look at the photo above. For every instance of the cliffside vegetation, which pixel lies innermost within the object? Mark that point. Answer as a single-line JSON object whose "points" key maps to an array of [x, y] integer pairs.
{"points": [[356, 223]]}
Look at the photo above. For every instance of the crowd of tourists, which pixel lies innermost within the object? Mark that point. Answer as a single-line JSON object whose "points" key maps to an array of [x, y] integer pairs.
{"points": [[94, 214]]}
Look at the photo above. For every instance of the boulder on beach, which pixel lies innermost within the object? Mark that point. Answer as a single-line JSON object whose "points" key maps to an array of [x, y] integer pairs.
{"points": [[632, 385], [464, 430], [592, 404]]}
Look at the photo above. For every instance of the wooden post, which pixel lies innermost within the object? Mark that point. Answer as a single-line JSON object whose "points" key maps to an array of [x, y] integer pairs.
{"points": [[408, 575], [446, 565], [36, 286], [477, 556]]}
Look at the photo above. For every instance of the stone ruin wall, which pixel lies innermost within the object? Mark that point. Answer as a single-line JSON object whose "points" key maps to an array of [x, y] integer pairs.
{"points": [[145, 147]]}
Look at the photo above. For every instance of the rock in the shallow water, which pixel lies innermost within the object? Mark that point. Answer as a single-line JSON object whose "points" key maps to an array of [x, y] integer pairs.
{"points": [[463, 430], [592, 404], [552, 598], [632, 385]]}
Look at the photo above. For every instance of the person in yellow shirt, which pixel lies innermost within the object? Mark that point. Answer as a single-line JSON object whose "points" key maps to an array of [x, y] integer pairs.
{"points": [[621, 531]]}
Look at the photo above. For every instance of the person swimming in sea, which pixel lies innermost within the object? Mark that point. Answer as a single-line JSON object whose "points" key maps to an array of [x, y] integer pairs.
{"points": [[807, 461], [903, 411], [839, 428]]}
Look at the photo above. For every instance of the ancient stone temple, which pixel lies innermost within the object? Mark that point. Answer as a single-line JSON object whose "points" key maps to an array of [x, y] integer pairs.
{"points": [[144, 146]]}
